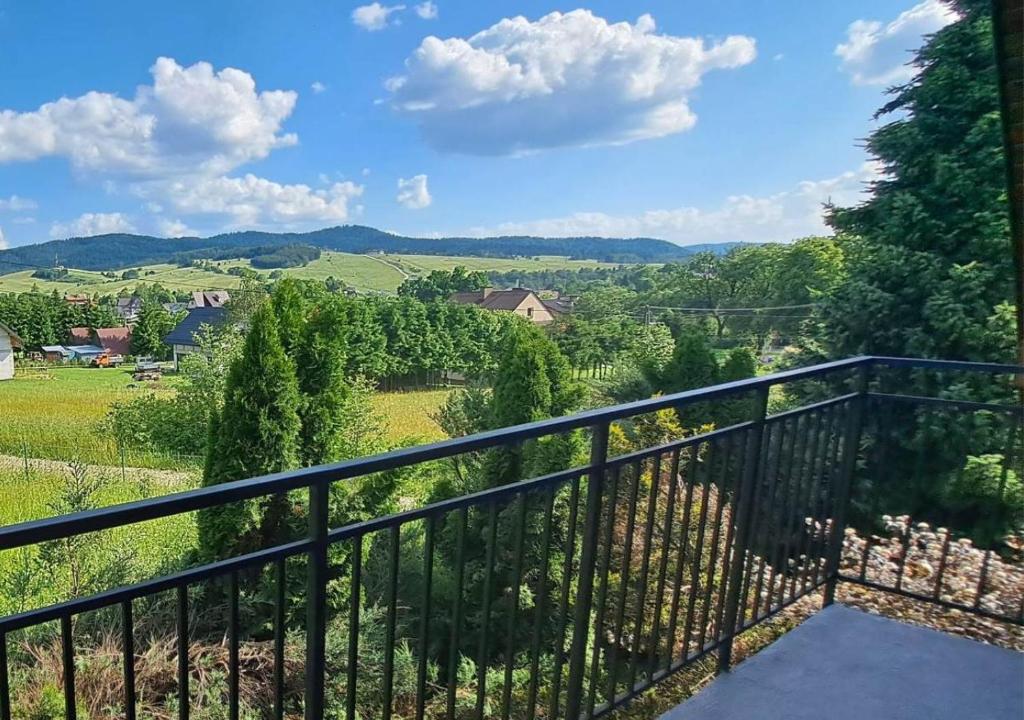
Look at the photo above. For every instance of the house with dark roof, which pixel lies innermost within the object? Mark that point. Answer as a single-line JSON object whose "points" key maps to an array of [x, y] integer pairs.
{"points": [[128, 308], [561, 304], [116, 341], [519, 301], [79, 336], [208, 298], [182, 338]]}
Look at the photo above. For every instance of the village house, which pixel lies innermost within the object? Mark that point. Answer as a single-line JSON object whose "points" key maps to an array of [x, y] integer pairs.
{"points": [[116, 341], [519, 301], [128, 309], [561, 304], [182, 338], [79, 336], [55, 353], [208, 299], [9, 340], [78, 300]]}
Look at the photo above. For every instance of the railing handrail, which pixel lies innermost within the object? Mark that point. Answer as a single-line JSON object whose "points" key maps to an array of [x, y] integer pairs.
{"points": [[52, 528]]}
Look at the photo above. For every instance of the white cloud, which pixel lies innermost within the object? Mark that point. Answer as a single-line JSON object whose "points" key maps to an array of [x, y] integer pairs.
{"points": [[88, 224], [568, 79], [317, 87], [878, 54], [775, 218], [174, 228], [375, 16], [413, 193], [252, 201], [427, 10], [15, 203], [366, 172], [190, 119]]}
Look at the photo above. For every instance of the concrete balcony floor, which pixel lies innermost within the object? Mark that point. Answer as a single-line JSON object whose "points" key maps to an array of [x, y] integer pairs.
{"points": [[844, 664]]}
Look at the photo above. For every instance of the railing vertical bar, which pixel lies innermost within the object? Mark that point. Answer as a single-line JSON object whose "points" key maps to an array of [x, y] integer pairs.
{"points": [[128, 659], [233, 628], [791, 498], [591, 527], [804, 495], [453, 640], [182, 613], [982, 579], [5, 683], [392, 620], [652, 506], [666, 546], [316, 601], [851, 448], [743, 506], [827, 499], [280, 600], [814, 501], [780, 546], [355, 597], [766, 526], [684, 542], [428, 586], [698, 549], [542, 601], [485, 615], [68, 665], [937, 594], [718, 471], [904, 552], [513, 616], [627, 559], [563, 602], [731, 554], [753, 561], [602, 591]]}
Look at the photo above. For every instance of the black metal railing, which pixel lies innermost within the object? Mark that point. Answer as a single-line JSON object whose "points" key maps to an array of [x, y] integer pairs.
{"points": [[559, 596]]}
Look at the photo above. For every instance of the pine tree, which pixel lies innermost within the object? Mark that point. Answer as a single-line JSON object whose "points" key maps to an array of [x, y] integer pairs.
{"points": [[257, 432], [325, 392], [692, 366]]}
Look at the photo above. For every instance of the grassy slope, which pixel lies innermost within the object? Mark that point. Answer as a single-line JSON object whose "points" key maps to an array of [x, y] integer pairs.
{"points": [[368, 273], [59, 416]]}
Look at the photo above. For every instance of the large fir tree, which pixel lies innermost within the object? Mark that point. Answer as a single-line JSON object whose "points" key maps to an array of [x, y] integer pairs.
{"points": [[257, 432]]}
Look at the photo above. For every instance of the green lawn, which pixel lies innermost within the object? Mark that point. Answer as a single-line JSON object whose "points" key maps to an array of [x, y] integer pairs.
{"points": [[58, 414], [378, 273]]}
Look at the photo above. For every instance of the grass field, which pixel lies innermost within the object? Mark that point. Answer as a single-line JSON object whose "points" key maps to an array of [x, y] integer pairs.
{"points": [[380, 273], [58, 415]]}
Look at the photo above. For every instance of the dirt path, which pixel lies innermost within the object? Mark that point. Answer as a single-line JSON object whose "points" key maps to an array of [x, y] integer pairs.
{"points": [[173, 479], [382, 261]]}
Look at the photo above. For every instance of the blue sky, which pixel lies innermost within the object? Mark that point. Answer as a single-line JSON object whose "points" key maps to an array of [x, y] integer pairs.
{"points": [[691, 121]]}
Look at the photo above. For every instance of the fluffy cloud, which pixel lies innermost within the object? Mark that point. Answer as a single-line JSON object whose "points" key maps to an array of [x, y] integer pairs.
{"points": [[877, 54], [252, 201], [174, 228], [775, 218], [374, 16], [565, 80], [427, 10], [317, 87], [413, 193], [92, 224], [15, 203], [190, 119]]}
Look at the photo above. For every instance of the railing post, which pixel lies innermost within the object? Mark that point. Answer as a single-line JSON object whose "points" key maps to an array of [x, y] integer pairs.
{"points": [[851, 446], [743, 512], [588, 555], [316, 599]]}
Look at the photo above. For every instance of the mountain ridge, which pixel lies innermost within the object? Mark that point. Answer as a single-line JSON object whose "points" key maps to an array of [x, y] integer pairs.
{"points": [[122, 250]]}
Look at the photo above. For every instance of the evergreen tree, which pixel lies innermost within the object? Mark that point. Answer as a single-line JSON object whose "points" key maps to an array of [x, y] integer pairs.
{"points": [[930, 265], [321, 380], [692, 366], [148, 334], [257, 432]]}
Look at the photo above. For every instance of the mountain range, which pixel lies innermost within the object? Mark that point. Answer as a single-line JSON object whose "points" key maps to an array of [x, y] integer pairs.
{"points": [[120, 250]]}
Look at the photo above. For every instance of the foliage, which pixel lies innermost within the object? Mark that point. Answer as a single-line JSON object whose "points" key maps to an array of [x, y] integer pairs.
{"points": [[285, 256], [440, 284], [47, 319], [256, 433], [153, 325]]}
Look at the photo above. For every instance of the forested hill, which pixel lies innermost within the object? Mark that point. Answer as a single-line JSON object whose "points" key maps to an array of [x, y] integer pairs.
{"points": [[110, 252]]}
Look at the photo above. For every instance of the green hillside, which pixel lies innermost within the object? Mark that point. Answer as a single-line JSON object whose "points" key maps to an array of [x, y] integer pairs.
{"points": [[382, 273]]}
